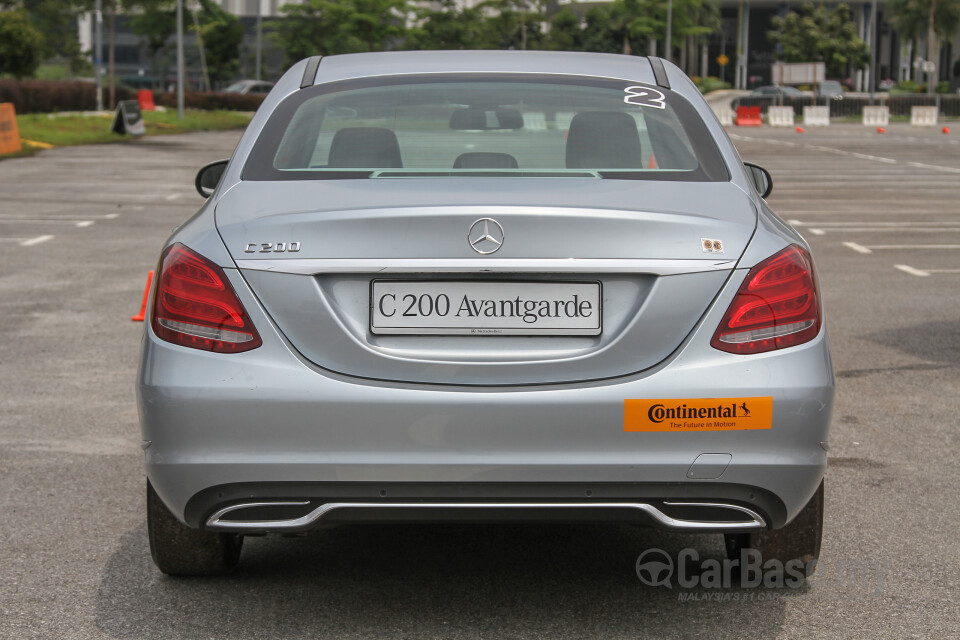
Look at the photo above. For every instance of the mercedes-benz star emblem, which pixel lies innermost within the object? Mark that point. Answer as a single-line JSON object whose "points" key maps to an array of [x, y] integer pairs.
{"points": [[485, 236]]}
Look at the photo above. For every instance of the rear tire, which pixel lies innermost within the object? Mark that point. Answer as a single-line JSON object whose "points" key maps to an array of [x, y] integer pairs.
{"points": [[179, 550], [798, 541]]}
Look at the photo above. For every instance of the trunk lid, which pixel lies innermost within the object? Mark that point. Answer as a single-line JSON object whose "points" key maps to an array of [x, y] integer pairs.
{"points": [[311, 250]]}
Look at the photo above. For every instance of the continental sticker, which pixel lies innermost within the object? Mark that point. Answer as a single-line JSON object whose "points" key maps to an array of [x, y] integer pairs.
{"points": [[698, 414]]}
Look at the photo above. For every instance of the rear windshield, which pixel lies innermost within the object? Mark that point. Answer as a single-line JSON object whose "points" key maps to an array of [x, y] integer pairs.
{"points": [[501, 125]]}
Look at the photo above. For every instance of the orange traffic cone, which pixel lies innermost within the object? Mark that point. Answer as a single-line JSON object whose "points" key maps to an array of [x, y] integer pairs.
{"points": [[881, 130], [652, 163], [799, 129], [143, 305]]}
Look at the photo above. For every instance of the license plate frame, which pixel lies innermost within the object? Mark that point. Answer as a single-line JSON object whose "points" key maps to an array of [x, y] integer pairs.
{"points": [[573, 307]]}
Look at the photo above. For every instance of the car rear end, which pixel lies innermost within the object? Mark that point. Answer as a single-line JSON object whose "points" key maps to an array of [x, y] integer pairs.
{"points": [[485, 287]]}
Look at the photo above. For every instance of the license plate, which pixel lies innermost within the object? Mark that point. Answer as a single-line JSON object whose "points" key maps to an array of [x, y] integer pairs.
{"points": [[485, 308]]}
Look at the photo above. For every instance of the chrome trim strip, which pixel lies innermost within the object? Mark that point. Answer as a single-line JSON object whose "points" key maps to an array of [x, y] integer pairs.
{"points": [[314, 266], [214, 520], [755, 521], [722, 505]]}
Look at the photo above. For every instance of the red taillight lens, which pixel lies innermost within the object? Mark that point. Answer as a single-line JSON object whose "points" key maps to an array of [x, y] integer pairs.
{"points": [[777, 306], [195, 306]]}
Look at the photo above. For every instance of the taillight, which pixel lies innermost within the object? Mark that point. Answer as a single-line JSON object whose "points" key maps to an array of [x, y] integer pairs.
{"points": [[777, 306], [195, 306]]}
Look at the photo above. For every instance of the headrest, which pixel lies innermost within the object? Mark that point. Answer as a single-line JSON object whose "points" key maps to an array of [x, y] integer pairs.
{"points": [[603, 140], [365, 148]]}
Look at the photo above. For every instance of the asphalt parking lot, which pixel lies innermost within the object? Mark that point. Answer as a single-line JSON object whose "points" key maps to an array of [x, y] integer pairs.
{"points": [[79, 229]]}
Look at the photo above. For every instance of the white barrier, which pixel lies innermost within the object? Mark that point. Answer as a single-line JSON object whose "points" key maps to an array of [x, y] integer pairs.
{"points": [[876, 116], [535, 121], [816, 116], [724, 115], [923, 116], [780, 116]]}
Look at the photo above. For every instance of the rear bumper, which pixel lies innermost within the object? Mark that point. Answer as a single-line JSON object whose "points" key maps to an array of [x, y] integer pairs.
{"points": [[300, 506], [273, 422]]}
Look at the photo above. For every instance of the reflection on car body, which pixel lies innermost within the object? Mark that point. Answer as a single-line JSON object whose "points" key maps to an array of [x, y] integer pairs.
{"points": [[526, 285]]}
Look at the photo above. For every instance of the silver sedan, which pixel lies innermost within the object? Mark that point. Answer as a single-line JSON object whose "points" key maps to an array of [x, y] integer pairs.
{"points": [[484, 286]]}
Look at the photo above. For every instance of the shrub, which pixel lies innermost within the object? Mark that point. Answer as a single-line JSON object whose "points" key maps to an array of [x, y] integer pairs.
{"points": [[41, 96], [212, 101], [907, 86], [706, 85]]}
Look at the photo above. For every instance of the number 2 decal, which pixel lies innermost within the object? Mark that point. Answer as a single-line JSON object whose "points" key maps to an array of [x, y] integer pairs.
{"points": [[644, 97]]}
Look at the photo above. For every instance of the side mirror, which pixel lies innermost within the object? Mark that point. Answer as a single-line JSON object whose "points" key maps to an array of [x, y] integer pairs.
{"points": [[761, 179], [209, 177]]}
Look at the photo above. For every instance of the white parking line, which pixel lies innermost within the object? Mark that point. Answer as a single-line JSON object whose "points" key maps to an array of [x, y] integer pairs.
{"points": [[856, 247], [85, 223], [173, 196], [38, 220], [859, 248], [55, 219], [914, 272], [864, 156], [852, 154], [881, 247], [35, 241], [872, 229], [817, 232], [935, 167], [837, 212], [799, 223]]}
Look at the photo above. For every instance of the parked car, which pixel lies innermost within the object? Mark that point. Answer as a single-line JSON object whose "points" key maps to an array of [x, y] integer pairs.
{"points": [[249, 86], [776, 91], [830, 89], [770, 95], [504, 285]]}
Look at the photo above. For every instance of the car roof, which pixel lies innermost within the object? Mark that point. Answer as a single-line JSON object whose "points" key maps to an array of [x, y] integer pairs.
{"points": [[358, 65]]}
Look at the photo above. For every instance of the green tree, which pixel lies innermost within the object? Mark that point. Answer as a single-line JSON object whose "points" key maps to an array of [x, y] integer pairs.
{"points": [[934, 19], [308, 29], [516, 24], [819, 34], [637, 21], [693, 24], [621, 26], [375, 25], [597, 33], [628, 26], [450, 27], [21, 44], [222, 35], [56, 20], [327, 27], [566, 31], [155, 21]]}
